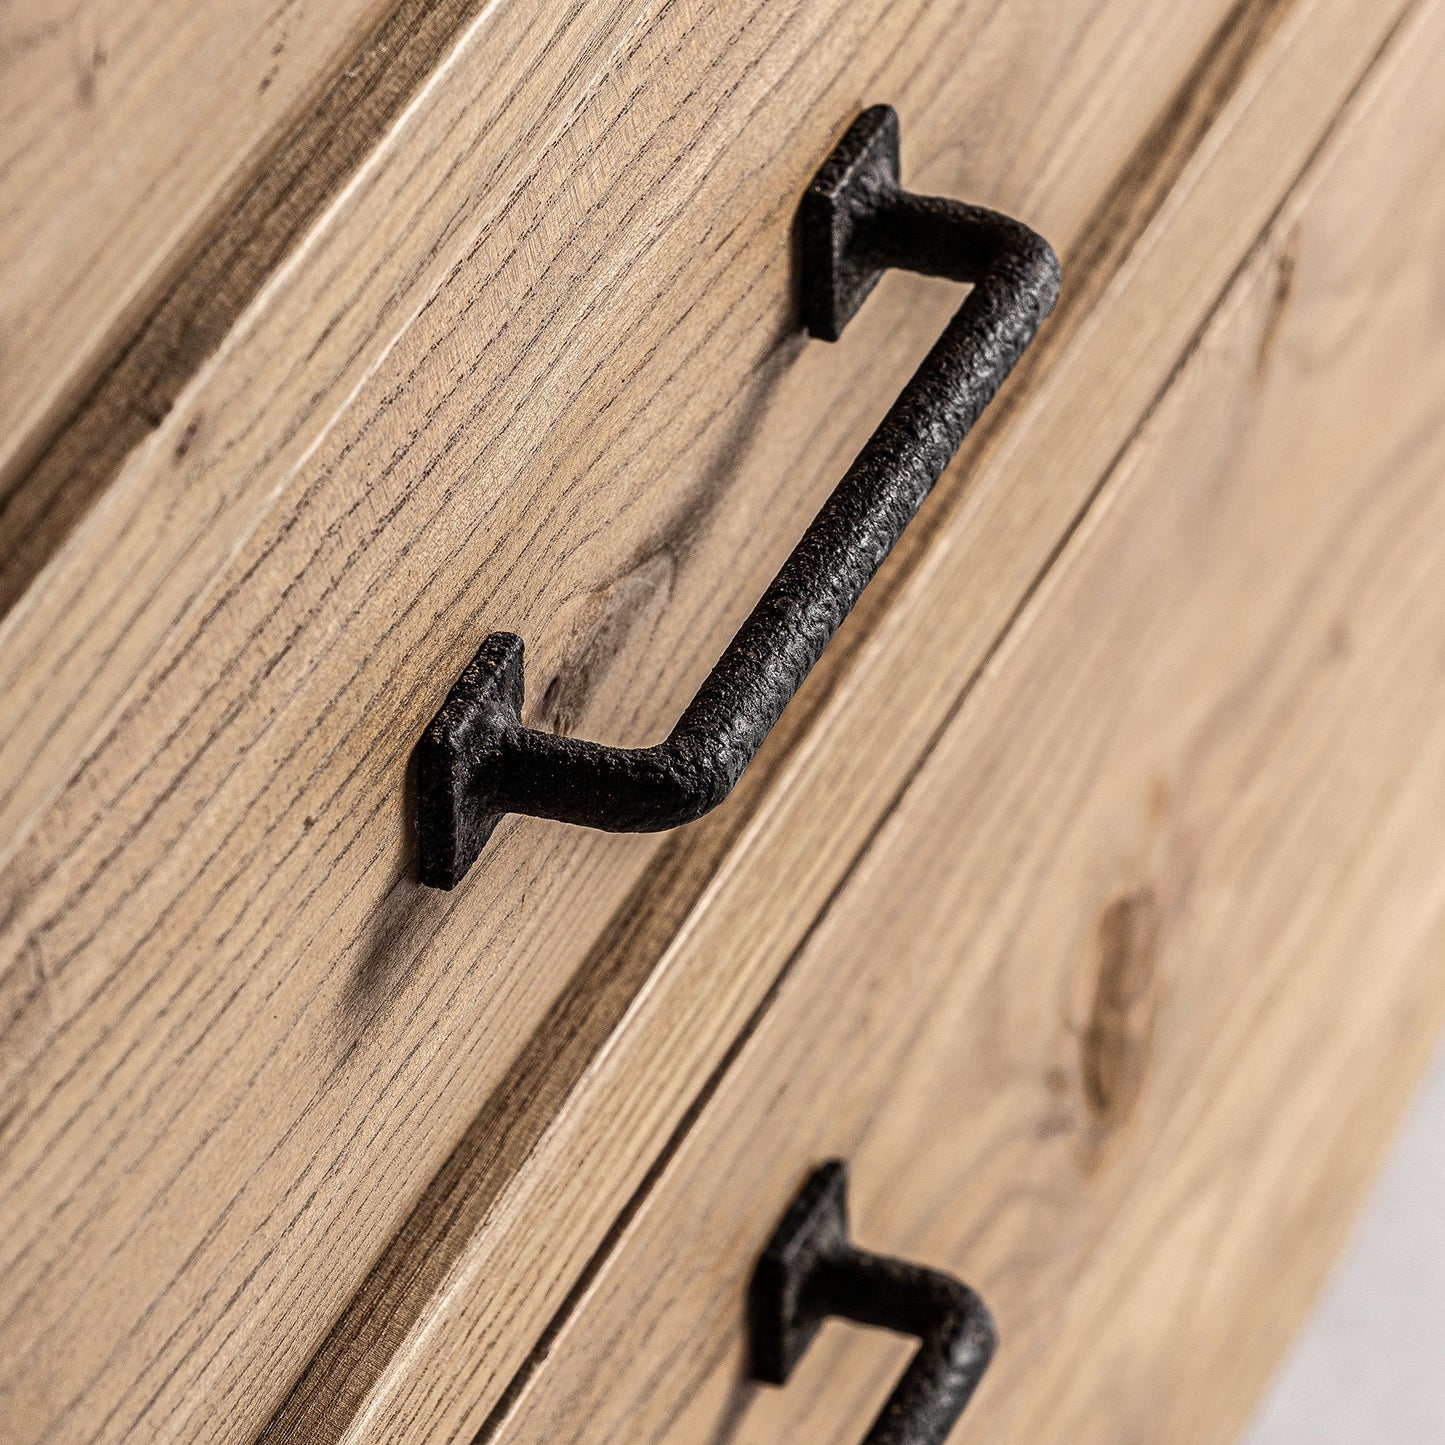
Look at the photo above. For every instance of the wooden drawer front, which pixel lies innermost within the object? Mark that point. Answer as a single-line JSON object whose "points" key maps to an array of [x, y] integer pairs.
{"points": [[536, 366], [1114, 1017]]}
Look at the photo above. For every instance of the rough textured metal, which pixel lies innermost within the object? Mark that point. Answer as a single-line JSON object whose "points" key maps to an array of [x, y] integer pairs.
{"points": [[810, 1271], [477, 762]]}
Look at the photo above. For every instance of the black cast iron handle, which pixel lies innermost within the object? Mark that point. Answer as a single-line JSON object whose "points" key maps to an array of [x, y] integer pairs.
{"points": [[477, 762], [810, 1271]]}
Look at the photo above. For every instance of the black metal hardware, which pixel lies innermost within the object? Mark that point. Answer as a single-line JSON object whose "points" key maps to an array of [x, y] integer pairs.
{"points": [[810, 1271], [476, 761]]}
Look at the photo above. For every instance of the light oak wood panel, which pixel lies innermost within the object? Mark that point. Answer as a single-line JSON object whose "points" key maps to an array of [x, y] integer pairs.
{"points": [[49, 481], [238, 1039], [121, 126], [78, 641], [1117, 1013], [494, 1247], [512, 140]]}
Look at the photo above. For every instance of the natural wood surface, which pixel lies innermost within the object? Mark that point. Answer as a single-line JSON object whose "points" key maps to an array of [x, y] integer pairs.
{"points": [[121, 126], [499, 1240], [47, 487], [536, 366], [1116, 1014], [526, 132]]}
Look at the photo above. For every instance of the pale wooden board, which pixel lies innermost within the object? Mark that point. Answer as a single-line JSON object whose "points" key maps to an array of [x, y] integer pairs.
{"points": [[194, 292], [121, 126], [499, 1240], [537, 366], [1117, 1013], [532, 126]]}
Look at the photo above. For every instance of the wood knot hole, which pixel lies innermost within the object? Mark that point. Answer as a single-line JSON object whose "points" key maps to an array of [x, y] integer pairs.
{"points": [[1119, 1031]]}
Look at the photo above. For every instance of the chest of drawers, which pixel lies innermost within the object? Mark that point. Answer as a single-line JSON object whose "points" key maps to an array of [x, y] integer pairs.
{"points": [[1085, 898]]}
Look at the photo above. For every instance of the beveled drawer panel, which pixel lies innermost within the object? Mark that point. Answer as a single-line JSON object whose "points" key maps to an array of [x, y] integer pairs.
{"points": [[536, 367], [1114, 1016]]}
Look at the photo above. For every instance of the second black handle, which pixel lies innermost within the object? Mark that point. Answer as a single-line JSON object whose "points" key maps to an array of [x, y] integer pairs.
{"points": [[476, 762], [811, 1270]]}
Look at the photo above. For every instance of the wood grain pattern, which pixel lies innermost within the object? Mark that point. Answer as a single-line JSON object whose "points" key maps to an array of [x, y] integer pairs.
{"points": [[499, 1240], [238, 1040], [204, 287], [121, 127], [1038, 127], [1116, 1014]]}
